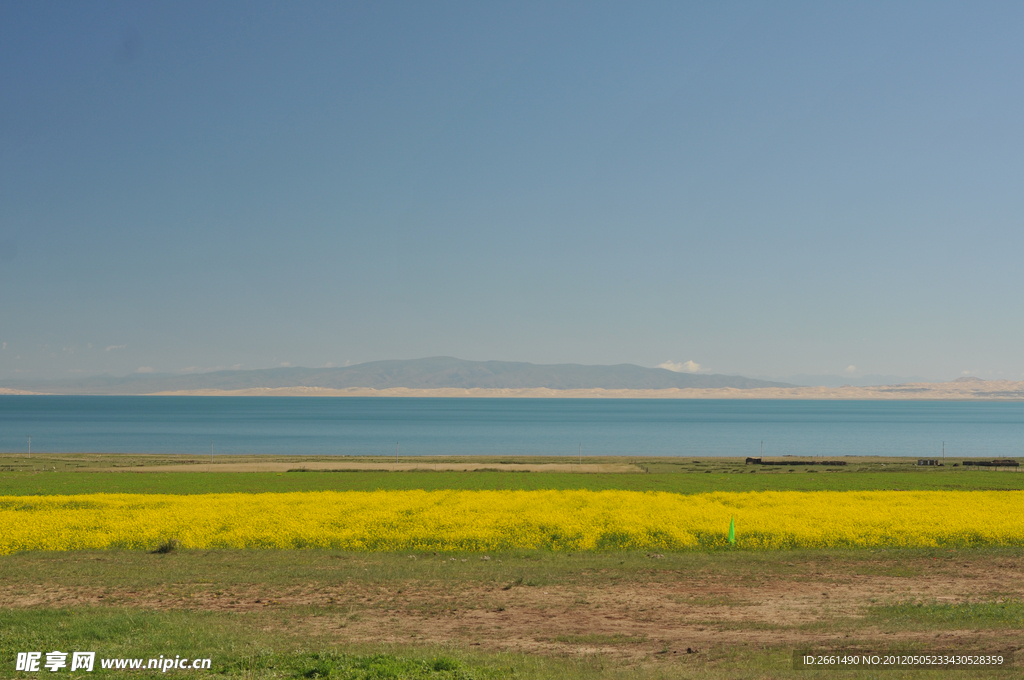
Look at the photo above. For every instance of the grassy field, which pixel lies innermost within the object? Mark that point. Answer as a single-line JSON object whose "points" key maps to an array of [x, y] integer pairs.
{"points": [[521, 614], [270, 614], [46, 475]]}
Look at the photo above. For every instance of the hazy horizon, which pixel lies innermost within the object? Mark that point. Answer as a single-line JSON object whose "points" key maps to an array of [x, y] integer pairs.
{"points": [[799, 379], [761, 190]]}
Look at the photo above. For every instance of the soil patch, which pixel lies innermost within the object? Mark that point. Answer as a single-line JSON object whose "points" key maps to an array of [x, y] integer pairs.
{"points": [[662, 613]]}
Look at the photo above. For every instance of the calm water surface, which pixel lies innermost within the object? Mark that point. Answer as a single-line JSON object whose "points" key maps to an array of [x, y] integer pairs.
{"points": [[630, 427]]}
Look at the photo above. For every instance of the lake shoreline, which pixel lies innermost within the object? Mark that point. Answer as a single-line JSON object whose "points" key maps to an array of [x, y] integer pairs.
{"points": [[974, 390]]}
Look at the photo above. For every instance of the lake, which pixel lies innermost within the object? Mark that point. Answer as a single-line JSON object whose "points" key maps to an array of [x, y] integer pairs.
{"points": [[549, 427]]}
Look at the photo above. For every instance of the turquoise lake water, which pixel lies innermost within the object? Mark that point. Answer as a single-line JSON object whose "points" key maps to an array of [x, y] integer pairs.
{"points": [[627, 427]]}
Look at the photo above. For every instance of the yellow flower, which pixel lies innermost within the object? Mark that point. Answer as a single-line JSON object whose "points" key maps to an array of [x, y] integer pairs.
{"points": [[504, 520]]}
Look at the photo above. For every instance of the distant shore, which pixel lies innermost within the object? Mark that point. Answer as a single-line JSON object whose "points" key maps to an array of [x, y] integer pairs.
{"points": [[975, 390]]}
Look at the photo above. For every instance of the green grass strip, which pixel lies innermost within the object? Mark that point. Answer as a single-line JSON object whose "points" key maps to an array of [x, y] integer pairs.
{"points": [[71, 483]]}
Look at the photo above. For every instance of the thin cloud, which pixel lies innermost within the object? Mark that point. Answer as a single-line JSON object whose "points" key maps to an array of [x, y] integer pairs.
{"points": [[144, 369], [685, 367], [110, 347], [286, 364], [851, 369], [208, 369]]}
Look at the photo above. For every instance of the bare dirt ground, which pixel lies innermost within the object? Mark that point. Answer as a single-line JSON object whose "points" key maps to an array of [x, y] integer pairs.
{"points": [[821, 607], [388, 467]]}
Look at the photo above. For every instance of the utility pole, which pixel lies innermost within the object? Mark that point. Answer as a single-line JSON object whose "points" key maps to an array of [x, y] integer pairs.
{"points": [[30, 446], [581, 453], [396, 453], [943, 453]]}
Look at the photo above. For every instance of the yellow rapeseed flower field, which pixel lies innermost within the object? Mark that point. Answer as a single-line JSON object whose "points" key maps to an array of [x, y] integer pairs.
{"points": [[504, 520]]}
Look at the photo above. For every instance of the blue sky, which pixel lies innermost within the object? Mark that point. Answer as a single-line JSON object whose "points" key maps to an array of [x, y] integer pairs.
{"points": [[756, 188]]}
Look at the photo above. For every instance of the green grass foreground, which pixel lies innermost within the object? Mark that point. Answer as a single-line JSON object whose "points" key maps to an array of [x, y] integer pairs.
{"points": [[145, 605], [241, 651], [237, 645]]}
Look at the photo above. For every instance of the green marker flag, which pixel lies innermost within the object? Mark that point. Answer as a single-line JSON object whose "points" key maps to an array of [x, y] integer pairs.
{"points": [[732, 531]]}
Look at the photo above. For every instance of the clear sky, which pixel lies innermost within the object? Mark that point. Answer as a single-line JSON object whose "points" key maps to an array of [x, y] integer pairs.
{"points": [[756, 188]]}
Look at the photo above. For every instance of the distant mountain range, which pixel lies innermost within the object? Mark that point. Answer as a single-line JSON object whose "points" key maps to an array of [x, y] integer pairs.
{"points": [[430, 373]]}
